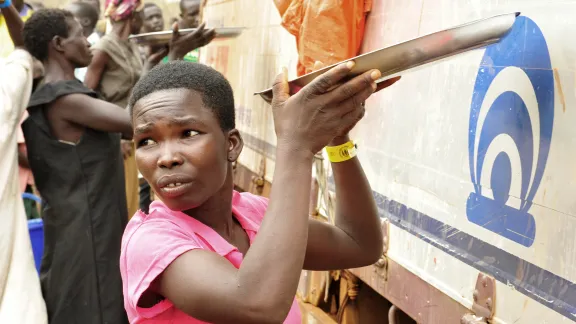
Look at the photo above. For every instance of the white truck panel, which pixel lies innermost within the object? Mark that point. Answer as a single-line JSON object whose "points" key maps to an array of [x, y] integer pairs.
{"points": [[472, 159]]}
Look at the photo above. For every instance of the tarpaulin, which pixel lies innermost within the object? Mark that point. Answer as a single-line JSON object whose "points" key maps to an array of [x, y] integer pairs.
{"points": [[328, 31]]}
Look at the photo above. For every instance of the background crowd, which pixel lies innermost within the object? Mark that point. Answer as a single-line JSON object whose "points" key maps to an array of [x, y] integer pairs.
{"points": [[77, 61]]}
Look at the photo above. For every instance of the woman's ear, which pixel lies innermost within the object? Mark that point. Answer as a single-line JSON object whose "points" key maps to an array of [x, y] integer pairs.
{"points": [[85, 22], [235, 145], [57, 43]]}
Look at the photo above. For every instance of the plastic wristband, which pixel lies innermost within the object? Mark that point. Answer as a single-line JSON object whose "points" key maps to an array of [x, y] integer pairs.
{"points": [[342, 152], [5, 4]]}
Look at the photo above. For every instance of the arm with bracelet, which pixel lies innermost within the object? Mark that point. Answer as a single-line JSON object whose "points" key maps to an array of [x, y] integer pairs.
{"points": [[356, 237], [13, 21]]}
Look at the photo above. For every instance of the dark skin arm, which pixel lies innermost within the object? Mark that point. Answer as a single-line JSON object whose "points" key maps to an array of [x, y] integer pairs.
{"points": [[15, 25], [356, 238], [94, 113], [205, 285], [96, 69], [181, 45]]}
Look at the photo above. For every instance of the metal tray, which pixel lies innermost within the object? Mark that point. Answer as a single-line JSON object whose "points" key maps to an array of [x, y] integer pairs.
{"points": [[433, 47], [163, 37]]}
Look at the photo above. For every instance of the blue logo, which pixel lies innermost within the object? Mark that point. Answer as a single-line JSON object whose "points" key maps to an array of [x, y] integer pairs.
{"points": [[511, 122]]}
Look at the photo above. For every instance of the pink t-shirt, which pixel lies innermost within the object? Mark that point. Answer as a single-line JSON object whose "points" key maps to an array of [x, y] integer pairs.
{"points": [[151, 242]]}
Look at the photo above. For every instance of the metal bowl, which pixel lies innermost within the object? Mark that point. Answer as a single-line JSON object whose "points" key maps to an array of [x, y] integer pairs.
{"points": [[426, 49], [163, 37]]}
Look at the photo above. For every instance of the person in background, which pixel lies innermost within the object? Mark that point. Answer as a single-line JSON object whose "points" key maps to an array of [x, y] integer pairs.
{"points": [[152, 18], [191, 17], [20, 295], [101, 24], [6, 45], [87, 15], [115, 69], [152, 21], [190, 13], [80, 181]]}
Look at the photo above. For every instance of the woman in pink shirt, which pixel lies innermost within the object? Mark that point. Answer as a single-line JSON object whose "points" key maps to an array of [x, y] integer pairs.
{"points": [[206, 253]]}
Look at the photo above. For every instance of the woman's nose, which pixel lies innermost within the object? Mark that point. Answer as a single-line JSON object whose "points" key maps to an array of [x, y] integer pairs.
{"points": [[170, 159]]}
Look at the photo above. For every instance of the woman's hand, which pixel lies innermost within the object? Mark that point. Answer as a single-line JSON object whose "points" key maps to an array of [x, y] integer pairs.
{"points": [[182, 45], [325, 108], [343, 136]]}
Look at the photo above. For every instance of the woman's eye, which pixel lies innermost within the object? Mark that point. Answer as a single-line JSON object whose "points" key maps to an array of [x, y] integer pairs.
{"points": [[146, 142], [190, 133]]}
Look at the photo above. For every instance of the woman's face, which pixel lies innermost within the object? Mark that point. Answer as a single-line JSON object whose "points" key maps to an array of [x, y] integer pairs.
{"points": [[181, 149], [76, 47], [152, 19], [190, 13]]}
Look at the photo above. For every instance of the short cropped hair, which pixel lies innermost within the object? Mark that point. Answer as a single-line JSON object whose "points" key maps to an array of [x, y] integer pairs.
{"points": [[217, 94], [42, 27], [182, 7], [149, 5], [87, 10]]}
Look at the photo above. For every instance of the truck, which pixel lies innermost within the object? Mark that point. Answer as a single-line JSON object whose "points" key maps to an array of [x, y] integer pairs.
{"points": [[470, 162]]}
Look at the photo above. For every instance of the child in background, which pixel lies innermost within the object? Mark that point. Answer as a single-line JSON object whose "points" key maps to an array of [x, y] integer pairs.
{"points": [[152, 18], [191, 17], [191, 13], [208, 254]]}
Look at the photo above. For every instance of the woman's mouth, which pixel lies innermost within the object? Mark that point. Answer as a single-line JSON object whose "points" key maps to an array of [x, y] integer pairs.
{"points": [[174, 185], [175, 189]]}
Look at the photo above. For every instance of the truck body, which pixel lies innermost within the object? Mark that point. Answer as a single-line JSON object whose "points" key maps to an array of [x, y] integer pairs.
{"points": [[471, 159]]}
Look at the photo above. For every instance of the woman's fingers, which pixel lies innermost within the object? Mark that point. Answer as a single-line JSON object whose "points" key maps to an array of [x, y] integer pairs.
{"points": [[353, 104], [352, 88], [326, 81], [280, 88], [175, 32]]}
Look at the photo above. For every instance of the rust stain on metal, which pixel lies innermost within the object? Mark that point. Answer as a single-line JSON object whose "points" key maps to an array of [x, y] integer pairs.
{"points": [[414, 296], [484, 296], [560, 91]]}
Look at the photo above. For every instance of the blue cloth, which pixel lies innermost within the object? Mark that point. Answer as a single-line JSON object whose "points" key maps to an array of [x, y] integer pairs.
{"points": [[6, 4]]}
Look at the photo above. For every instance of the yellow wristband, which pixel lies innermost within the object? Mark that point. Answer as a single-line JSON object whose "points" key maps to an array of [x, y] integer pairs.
{"points": [[342, 152]]}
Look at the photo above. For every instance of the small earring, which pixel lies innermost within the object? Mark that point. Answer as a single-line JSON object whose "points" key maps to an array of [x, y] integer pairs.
{"points": [[230, 159]]}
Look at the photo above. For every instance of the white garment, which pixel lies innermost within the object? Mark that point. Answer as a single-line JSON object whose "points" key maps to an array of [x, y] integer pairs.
{"points": [[20, 295], [80, 73]]}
